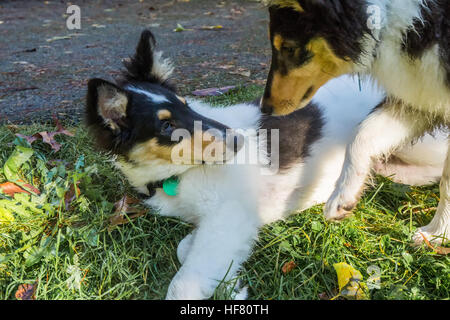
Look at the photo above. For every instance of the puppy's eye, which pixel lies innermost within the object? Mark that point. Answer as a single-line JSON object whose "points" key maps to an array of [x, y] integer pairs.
{"points": [[167, 128], [289, 50]]}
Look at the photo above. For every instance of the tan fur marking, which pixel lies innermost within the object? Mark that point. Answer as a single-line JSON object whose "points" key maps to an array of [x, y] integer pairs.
{"points": [[164, 114], [112, 105], [288, 90], [277, 42], [285, 3], [152, 150], [181, 99]]}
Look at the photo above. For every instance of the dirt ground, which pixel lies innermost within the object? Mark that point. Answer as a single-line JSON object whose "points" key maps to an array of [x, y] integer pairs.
{"points": [[42, 74]]}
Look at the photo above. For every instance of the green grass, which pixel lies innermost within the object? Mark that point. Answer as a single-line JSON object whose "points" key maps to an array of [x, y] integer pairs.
{"points": [[138, 260]]}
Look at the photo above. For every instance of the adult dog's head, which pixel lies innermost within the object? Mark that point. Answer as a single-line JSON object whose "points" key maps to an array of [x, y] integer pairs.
{"points": [[312, 41], [143, 121]]}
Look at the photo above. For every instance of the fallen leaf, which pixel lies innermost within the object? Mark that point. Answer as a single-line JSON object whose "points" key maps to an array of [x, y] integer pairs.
{"points": [[124, 211], [75, 278], [6, 215], [72, 194], [288, 267], [180, 28], [259, 81], [225, 66], [26, 291], [56, 38], [12, 166], [212, 91], [60, 129], [48, 137], [242, 72], [350, 281], [30, 139], [217, 27], [10, 189]]}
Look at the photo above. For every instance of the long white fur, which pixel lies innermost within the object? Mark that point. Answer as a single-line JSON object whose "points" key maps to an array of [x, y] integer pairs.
{"points": [[419, 98], [229, 203]]}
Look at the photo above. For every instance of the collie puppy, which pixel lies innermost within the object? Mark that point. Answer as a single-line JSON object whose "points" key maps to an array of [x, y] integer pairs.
{"points": [[403, 44], [225, 194]]}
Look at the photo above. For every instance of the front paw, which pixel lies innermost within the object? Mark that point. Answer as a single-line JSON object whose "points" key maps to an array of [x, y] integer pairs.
{"points": [[337, 209], [190, 286], [435, 237]]}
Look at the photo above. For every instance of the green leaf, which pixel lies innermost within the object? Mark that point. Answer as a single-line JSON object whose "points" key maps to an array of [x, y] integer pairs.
{"points": [[19, 156], [91, 237], [408, 258], [5, 216], [316, 226]]}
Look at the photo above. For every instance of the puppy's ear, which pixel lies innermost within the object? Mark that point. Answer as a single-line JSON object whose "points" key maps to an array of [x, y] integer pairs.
{"points": [[106, 112], [302, 5], [294, 4], [148, 64]]}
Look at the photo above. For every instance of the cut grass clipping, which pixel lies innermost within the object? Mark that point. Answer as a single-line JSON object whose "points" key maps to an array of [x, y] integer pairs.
{"points": [[67, 231]]}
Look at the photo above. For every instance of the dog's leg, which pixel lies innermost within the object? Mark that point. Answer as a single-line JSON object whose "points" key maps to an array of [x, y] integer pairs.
{"points": [[438, 231], [402, 172], [184, 247], [222, 242], [379, 134]]}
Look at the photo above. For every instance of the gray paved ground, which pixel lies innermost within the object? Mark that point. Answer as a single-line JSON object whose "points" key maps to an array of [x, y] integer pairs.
{"points": [[39, 77]]}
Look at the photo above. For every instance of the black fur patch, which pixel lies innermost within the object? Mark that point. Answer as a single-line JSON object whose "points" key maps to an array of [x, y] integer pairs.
{"points": [[434, 28], [138, 67], [298, 131]]}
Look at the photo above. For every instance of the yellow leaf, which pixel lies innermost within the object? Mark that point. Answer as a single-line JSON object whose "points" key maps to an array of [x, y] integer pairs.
{"points": [[5, 216], [350, 281]]}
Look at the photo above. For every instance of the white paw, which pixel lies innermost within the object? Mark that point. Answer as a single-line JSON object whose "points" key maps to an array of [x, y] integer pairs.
{"points": [[337, 209], [190, 286], [242, 294], [436, 237], [184, 246]]}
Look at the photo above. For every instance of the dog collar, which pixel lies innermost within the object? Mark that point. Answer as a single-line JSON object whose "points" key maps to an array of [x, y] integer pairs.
{"points": [[169, 186]]}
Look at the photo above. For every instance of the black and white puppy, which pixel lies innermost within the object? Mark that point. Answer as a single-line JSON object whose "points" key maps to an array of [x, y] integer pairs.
{"points": [[403, 44], [225, 195]]}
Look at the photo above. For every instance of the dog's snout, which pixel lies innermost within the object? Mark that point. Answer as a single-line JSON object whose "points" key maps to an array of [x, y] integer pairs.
{"points": [[266, 108]]}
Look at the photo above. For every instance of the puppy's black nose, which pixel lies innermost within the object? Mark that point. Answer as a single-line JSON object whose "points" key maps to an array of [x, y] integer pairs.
{"points": [[267, 109]]}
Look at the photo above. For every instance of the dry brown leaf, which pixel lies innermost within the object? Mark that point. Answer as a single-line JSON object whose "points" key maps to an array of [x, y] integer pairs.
{"points": [[48, 137], [26, 291], [10, 189], [124, 211], [288, 267], [29, 187], [212, 91], [70, 195], [242, 72]]}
